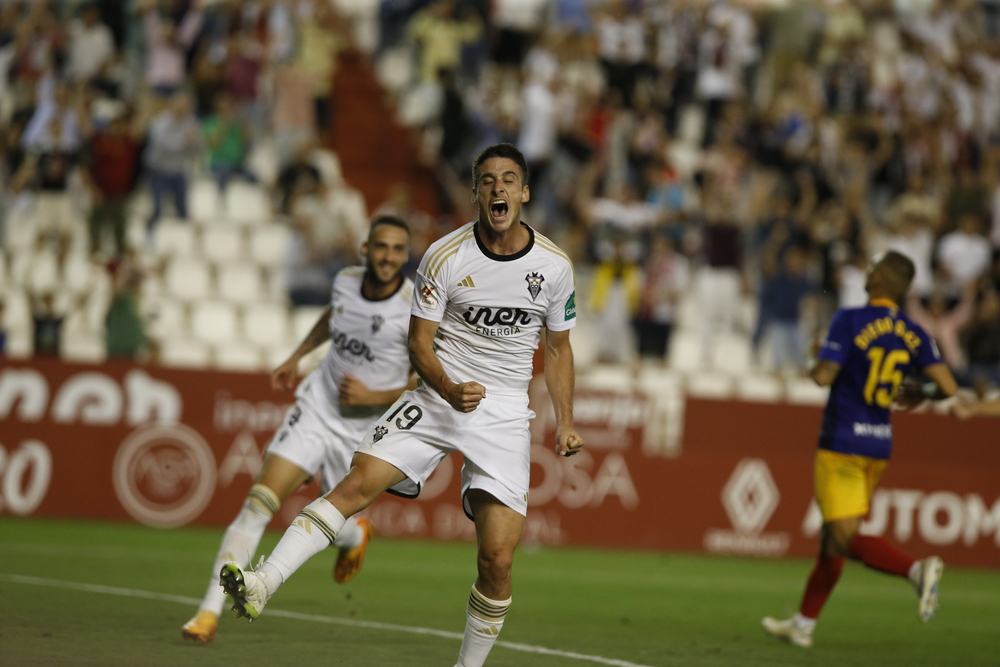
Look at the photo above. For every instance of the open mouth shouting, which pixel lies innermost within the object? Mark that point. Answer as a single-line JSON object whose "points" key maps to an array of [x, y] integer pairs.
{"points": [[499, 210]]}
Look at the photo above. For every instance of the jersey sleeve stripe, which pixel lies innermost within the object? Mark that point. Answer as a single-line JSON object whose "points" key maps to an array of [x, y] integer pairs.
{"points": [[551, 247], [433, 257], [436, 262]]}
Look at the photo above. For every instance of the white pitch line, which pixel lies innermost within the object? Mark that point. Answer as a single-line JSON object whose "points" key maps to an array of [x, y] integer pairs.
{"points": [[165, 597]]}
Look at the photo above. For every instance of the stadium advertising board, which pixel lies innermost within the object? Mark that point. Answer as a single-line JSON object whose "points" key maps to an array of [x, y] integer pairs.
{"points": [[170, 447]]}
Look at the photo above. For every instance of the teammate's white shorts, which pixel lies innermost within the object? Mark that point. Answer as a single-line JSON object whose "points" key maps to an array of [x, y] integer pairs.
{"points": [[421, 428], [319, 445]]}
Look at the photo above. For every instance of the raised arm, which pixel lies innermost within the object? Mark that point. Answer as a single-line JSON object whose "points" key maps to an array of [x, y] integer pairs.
{"points": [[284, 376], [560, 378], [465, 396]]}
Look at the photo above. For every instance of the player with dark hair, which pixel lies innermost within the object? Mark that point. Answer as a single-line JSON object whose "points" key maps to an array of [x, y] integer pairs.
{"points": [[366, 369], [867, 353], [484, 293]]}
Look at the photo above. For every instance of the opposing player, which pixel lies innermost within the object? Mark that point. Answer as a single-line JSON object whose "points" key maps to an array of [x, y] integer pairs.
{"points": [[483, 295], [867, 353], [365, 370]]}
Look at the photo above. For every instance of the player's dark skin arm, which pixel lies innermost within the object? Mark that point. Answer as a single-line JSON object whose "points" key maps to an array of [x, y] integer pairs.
{"points": [[284, 376], [465, 396], [824, 372], [559, 379], [942, 386]]}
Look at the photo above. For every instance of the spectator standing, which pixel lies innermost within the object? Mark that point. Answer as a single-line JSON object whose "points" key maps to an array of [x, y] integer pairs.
{"points": [[91, 46], [786, 294], [124, 326], [228, 143], [665, 279], [982, 342], [321, 38], [441, 37], [965, 254], [945, 325], [112, 170], [167, 43], [174, 143]]}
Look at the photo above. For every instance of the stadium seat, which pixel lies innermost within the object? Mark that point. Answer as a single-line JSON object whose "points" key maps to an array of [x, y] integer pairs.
{"points": [[266, 324], [17, 310], [685, 351], [174, 238], [329, 167], [657, 381], [238, 356], [760, 388], [213, 321], [188, 278], [19, 343], [304, 319], [263, 161], [731, 354], [80, 273], [167, 317], [710, 385], [269, 244], [606, 376], [42, 273], [247, 203], [203, 200], [84, 347], [240, 283], [223, 243], [184, 353], [804, 391]]}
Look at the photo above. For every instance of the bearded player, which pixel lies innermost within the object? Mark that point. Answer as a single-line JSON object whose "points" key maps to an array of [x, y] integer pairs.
{"points": [[484, 294], [365, 370], [867, 353]]}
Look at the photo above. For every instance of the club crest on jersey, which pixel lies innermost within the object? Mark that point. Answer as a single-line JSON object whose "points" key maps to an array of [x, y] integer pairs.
{"points": [[535, 281], [377, 322], [380, 432]]}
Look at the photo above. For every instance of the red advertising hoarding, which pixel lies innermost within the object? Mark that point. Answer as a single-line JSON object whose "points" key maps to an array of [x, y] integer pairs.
{"points": [[171, 447]]}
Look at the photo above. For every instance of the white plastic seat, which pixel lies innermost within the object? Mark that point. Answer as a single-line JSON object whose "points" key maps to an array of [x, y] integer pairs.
{"points": [[238, 356], [204, 201], [213, 321], [731, 354], [247, 203], [241, 283], [604, 376], [269, 244], [184, 353], [42, 274], [189, 278], [657, 381], [223, 243], [329, 166], [79, 273], [685, 351], [84, 347], [760, 388], [804, 391], [167, 317], [174, 238], [266, 324], [710, 385], [304, 318], [17, 310]]}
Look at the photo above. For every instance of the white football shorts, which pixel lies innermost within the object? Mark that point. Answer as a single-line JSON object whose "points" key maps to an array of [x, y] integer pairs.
{"points": [[318, 445], [421, 428]]}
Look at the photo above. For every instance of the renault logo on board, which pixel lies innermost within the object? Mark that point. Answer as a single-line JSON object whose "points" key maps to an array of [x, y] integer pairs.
{"points": [[749, 497]]}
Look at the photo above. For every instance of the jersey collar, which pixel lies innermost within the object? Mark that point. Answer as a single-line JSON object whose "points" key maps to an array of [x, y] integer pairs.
{"points": [[883, 303], [505, 258]]}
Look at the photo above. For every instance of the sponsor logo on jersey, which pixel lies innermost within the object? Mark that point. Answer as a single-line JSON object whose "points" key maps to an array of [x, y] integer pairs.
{"points": [[535, 281], [380, 432], [496, 321], [571, 306], [343, 343], [467, 282], [377, 322], [428, 295]]}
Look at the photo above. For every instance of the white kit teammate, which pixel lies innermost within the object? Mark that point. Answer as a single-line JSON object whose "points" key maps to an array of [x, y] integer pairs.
{"points": [[483, 295], [365, 370]]}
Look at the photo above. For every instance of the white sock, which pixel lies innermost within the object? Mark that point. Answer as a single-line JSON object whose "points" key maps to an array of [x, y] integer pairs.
{"points": [[313, 530], [804, 622], [240, 541], [350, 535], [483, 621], [915, 572]]}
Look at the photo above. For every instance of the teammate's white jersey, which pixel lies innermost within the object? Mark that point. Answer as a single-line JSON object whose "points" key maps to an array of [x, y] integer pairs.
{"points": [[368, 341], [491, 308]]}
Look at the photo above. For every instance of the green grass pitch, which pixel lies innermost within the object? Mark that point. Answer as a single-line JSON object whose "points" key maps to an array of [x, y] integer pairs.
{"points": [[88, 593]]}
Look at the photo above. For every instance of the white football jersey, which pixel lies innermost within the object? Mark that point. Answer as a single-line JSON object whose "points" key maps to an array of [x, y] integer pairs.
{"points": [[492, 308], [367, 341]]}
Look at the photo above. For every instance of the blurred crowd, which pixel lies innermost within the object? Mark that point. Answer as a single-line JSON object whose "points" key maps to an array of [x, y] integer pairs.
{"points": [[748, 156], [736, 150]]}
